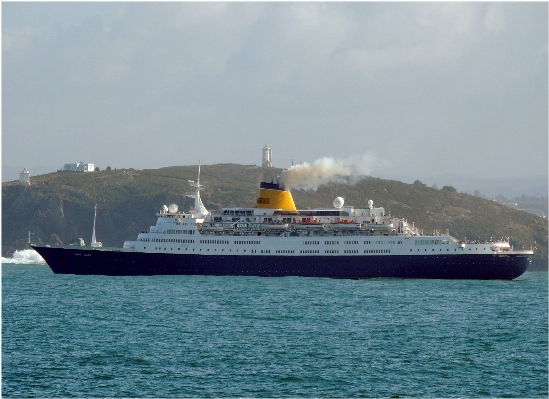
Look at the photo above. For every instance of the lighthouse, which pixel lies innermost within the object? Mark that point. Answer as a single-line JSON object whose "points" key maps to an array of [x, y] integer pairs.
{"points": [[267, 157], [24, 177]]}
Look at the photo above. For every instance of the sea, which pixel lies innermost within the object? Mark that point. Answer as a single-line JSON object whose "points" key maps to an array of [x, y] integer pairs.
{"points": [[205, 336]]}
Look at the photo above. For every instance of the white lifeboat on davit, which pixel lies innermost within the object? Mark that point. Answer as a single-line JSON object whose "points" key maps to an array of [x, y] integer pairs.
{"points": [[308, 225], [275, 226], [345, 225]]}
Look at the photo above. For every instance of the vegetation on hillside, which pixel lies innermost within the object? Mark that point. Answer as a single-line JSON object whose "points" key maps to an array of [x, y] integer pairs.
{"points": [[59, 207]]}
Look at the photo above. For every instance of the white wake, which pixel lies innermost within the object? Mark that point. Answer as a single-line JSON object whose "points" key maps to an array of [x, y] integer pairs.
{"points": [[25, 257]]}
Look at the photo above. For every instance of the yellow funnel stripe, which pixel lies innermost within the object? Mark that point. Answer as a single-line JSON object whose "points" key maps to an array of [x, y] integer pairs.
{"points": [[275, 199]]}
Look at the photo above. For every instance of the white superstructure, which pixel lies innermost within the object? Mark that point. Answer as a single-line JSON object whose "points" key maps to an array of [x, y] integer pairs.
{"points": [[341, 230]]}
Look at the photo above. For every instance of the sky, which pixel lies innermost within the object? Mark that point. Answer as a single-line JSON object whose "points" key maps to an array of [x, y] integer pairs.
{"points": [[447, 93]]}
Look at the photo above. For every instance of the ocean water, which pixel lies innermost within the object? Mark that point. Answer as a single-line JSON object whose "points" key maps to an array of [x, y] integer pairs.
{"points": [[201, 336]]}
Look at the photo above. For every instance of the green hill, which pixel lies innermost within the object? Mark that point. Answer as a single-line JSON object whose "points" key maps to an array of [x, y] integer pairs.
{"points": [[59, 207]]}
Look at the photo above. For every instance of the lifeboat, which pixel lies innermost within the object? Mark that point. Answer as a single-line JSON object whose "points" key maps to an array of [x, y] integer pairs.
{"points": [[308, 226], [275, 226], [345, 225]]}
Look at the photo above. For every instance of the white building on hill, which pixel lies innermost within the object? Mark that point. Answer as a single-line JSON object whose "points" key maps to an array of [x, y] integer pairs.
{"points": [[79, 167]]}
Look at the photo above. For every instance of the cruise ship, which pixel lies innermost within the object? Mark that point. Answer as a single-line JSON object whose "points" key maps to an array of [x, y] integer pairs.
{"points": [[275, 239]]}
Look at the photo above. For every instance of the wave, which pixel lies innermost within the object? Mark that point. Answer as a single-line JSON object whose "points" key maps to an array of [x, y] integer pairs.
{"points": [[25, 257]]}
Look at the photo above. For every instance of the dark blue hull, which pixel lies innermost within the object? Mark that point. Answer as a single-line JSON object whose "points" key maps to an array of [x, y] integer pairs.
{"points": [[120, 263]]}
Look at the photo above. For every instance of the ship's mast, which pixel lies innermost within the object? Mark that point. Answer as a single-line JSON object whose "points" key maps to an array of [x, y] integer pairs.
{"points": [[200, 210], [94, 217], [94, 243]]}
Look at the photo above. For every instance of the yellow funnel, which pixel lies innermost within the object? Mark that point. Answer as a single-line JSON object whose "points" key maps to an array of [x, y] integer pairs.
{"points": [[273, 196]]}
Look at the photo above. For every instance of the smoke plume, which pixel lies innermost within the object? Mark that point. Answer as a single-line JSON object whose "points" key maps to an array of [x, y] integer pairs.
{"points": [[326, 170]]}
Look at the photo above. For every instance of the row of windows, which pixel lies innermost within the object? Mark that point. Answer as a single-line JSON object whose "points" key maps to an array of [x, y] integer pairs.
{"points": [[355, 251], [179, 240], [331, 251], [378, 242], [238, 212], [190, 232], [368, 242], [352, 242], [448, 249], [256, 242], [306, 251], [431, 242]]}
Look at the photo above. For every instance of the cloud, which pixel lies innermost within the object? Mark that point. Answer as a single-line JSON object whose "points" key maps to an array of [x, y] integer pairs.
{"points": [[307, 78]]}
